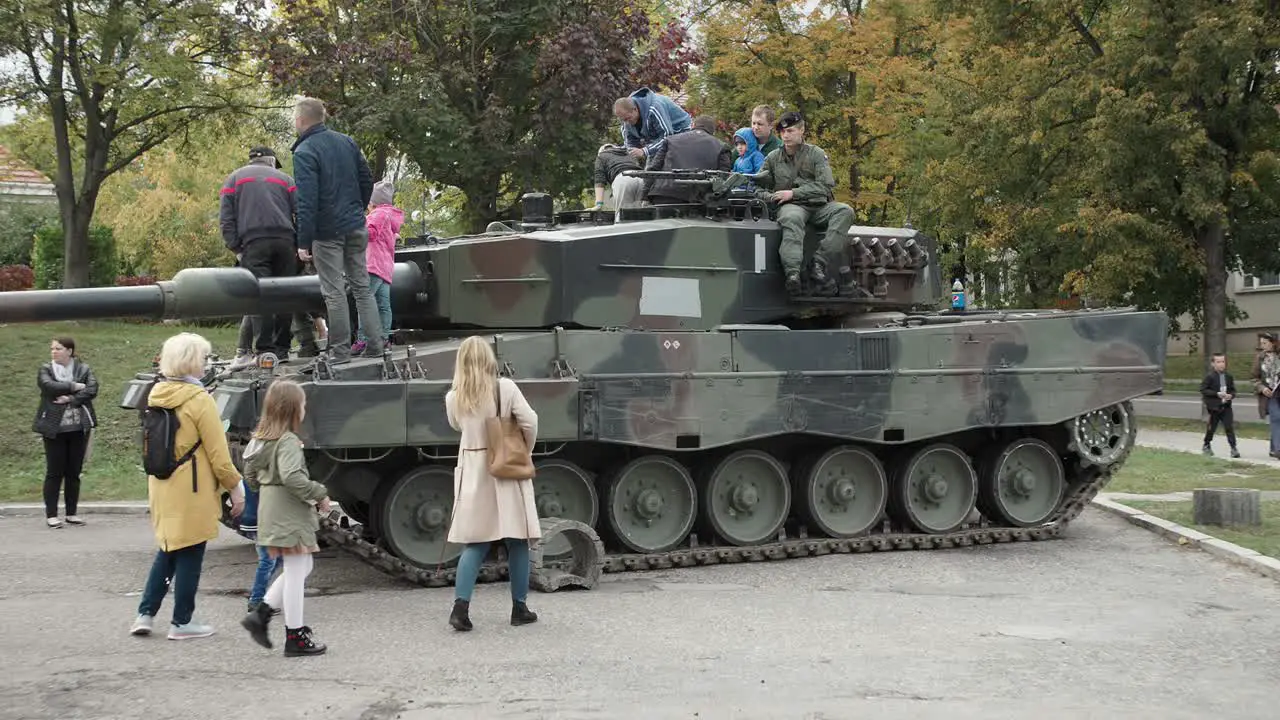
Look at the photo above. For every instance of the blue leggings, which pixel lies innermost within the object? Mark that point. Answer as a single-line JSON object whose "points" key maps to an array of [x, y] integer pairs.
{"points": [[517, 561]]}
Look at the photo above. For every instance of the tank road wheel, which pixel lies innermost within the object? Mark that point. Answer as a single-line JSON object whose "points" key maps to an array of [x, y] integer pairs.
{"points": [[561, 489], [416, 516], [1023, 484], [651, 503], [1105, 436], [936, 489], [746, 498], [845, 492]]}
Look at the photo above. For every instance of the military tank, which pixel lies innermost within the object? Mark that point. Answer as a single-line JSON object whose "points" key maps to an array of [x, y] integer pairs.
{"points": [[690, 410]]}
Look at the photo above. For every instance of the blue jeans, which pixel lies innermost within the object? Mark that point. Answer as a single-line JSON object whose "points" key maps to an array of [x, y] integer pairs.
{"points": [[1273, 417], [381, 290], [517, 561], [181, 568], [266, 568]]}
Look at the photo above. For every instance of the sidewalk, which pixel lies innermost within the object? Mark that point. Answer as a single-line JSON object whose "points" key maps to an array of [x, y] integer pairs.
{"points": [[1256, 452]]}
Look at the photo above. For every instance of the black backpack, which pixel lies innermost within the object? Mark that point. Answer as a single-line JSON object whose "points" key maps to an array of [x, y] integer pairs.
{"points": [[159, 432]]}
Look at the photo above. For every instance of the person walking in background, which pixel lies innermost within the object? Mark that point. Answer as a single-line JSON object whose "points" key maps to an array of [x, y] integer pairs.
{"points": [[383, 223], [485, 508], [65, 419], [186, 507], [287, 519], [1266, 381], [1218, 389], [334, 188]]}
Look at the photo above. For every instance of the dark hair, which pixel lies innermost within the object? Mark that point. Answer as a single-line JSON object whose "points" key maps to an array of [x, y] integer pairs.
{"points": [[705, 123], [67, 343], [1215, 356]]}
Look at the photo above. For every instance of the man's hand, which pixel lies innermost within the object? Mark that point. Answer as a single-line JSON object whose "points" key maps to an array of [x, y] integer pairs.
{"points": [[636, 152], [783, 196], [1266, 391], [304, 255], [323, 506]]}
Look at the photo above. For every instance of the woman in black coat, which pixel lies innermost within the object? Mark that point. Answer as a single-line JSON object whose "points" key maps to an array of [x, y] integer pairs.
{"points": [[65, 419]]}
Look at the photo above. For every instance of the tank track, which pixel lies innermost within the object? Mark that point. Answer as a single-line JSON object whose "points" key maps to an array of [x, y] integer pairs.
{"points": [[1084, 481]]}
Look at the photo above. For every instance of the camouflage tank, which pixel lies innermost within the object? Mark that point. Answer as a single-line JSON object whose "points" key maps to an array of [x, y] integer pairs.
{"points": [[690, 411]]}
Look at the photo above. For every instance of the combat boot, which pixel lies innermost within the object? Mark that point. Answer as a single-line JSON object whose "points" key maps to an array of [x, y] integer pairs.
{"points": [[793, 282], [256, 622], [460, 618], [823, 284], [848, 283], [299, 641], [522, 615]]}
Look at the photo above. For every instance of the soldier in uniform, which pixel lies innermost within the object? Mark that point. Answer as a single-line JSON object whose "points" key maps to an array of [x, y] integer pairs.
{"points": [[798, 177]]}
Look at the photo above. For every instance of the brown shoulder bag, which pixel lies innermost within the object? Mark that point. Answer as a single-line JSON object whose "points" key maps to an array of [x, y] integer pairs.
{"points": [[509, 457]]}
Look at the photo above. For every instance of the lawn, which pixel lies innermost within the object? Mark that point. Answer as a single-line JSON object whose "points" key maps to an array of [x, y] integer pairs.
{"points": [[1192, 368], [1152, 471], [115, 351], [1264, 538]]}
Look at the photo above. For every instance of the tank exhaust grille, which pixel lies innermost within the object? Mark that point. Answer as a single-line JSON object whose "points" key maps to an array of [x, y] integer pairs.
{"points": [[874, 352]]}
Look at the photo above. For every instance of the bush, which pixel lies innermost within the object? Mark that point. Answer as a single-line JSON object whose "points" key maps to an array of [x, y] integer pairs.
{"points": [[47, 256], [18, 224], [131, 280], [16, 277]]}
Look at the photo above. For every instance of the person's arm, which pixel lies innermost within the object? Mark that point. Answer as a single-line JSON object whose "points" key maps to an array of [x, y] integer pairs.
{"points": [[451, 410], [525, 416], [1207, 388], [227, 214], [365, 176], [50, 386], [764, 179], [291, 468], [307, 174], [820, 187], [89, 391], [209, 426]]}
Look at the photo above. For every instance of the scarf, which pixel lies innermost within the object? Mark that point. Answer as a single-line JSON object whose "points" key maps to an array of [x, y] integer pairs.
{"points": [[66, 373]]}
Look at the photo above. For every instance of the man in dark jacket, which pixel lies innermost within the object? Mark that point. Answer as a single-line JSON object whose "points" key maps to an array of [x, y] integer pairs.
{"points": [[256, 216], [611, 162], [1218, 389], [696, 149], [334, 188]]}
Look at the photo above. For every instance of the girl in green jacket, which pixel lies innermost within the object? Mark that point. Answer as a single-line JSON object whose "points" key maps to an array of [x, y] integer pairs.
{"points": [[275, 467]]}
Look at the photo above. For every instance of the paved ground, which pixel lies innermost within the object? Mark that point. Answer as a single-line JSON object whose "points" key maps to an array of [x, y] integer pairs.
{"points": [[1252, 451], [1170, 405], [1110, 622]]}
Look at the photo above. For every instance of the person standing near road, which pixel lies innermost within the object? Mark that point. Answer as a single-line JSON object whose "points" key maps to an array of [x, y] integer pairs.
{"points": [[334, 188], [1266, 380], [65, 420], [1218, 389]]}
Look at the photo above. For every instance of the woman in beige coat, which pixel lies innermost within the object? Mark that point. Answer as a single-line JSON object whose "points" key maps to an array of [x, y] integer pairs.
{"points": [[485, 508]]}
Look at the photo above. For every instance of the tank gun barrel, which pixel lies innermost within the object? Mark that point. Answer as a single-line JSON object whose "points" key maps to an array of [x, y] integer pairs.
{"points": [[194, 293]]}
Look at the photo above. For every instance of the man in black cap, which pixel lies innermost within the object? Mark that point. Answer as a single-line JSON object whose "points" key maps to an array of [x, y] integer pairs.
{"points": [[798, 177], [256, 216]]}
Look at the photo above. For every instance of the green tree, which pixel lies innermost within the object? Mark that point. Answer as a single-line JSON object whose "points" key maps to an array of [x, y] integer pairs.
{"points": [[114, 80], [494, 98]]}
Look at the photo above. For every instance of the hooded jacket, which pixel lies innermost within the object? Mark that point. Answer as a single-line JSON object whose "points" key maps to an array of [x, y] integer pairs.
{"points": [[750, 162], [384, 224], [659, 118], [277, 470], [180, 517]]}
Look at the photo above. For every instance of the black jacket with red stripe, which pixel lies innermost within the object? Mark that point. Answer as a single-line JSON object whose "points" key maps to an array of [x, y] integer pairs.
{"points": [[258, 201]]}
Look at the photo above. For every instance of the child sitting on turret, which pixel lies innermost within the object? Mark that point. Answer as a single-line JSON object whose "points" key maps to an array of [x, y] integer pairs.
{"points": [[749, 160]]}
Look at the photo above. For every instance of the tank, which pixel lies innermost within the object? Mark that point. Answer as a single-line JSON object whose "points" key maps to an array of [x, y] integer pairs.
{"points": [[690, 411]]}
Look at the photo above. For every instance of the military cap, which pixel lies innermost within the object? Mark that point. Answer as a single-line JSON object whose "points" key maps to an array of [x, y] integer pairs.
{"points": [[788, 119]]}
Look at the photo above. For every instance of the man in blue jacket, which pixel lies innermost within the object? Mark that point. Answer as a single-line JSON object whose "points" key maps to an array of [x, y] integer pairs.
{"points": [[647, 120], [334, 187]]}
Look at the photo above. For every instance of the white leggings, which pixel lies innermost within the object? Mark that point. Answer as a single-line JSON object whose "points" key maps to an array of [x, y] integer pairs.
{"points": [[288, 588]]}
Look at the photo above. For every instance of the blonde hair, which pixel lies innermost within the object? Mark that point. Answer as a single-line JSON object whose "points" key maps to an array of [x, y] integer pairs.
{"points": [[475, 372], [281, 410], [183, 355]]}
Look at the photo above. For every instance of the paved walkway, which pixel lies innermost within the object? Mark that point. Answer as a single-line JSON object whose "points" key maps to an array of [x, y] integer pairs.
{"points": [[1251, 451]]}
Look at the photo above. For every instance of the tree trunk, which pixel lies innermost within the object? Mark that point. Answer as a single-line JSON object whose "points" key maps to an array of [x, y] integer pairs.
{"points": [[1213, 243], [1226, 507], [481, 207]]}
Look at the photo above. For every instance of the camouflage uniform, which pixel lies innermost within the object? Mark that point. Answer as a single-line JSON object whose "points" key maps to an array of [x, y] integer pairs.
{"points": [[808, 176]]}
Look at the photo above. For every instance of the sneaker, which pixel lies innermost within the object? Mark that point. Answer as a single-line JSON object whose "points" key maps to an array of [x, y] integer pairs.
{"points": [[1234, 453], [53, 522], [243, 360], [141, 626], [1207, 450], [74, 520], [190, 631], [358, 347]]}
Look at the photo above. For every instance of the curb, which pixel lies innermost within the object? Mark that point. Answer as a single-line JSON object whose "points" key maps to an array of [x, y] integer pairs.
{"points": [[1223, 550], [85, 508]]}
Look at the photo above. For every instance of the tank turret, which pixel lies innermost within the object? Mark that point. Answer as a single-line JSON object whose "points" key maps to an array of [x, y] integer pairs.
{"points": [[690, 411]]}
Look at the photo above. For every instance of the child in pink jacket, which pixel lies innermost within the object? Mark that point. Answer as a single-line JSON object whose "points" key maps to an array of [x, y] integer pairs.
{"points": [[384, 221]]}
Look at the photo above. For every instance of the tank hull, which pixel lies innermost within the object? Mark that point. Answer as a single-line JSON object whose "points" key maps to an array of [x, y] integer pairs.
{"points": [[744, 442]]}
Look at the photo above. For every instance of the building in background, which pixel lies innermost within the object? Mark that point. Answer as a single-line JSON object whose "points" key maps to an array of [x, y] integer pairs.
{"points": [[21, 183]]}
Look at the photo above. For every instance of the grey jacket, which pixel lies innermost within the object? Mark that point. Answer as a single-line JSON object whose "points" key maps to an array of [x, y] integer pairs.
{"points": [[258, 201], [277, 470]]}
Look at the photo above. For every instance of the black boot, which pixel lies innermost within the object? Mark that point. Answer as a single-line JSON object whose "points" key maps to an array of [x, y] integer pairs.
{"points": [[256, 622], [793, 283], [823, 284], [460, 618], [522, 615], [298, 641]]}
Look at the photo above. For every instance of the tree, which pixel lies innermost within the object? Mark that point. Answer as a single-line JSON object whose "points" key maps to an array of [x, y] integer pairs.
{"points": [[494, 98], [114, 80]]}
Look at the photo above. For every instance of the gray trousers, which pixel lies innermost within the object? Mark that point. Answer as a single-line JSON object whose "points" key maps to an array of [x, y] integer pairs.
{"points": [[332, 258]]}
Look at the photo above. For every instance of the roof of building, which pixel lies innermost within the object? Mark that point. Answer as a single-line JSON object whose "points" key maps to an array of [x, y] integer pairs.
{"points": [[13, 170]]}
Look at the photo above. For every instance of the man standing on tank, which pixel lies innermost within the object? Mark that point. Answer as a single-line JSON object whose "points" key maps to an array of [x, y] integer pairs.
{"points": [[799, 179], [256, 216], [334, 188], [648, 119]]}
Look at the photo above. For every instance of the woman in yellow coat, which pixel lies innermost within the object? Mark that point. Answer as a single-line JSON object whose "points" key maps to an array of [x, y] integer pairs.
{"points": [[485, 508], [185, 510]]}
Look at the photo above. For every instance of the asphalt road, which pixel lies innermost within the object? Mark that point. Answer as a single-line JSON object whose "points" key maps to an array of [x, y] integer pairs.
{"points": [[1177, 406], [1109, 622]]}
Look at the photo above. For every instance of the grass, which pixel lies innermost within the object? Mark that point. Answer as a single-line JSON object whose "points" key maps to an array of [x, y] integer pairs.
{"points": [[1264, 538], [116, 351], [1153, 472], [1192, 368], [1249, 429]]}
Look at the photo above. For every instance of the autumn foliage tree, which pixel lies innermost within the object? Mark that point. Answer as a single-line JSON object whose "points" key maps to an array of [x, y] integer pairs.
{"points": [[492, 98]]}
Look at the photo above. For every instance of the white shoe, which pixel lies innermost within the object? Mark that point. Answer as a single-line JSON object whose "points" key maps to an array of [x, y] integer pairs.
{"points": [[75, 520], [53, 522], [243, 361], [141, 626], [190, 631]]}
